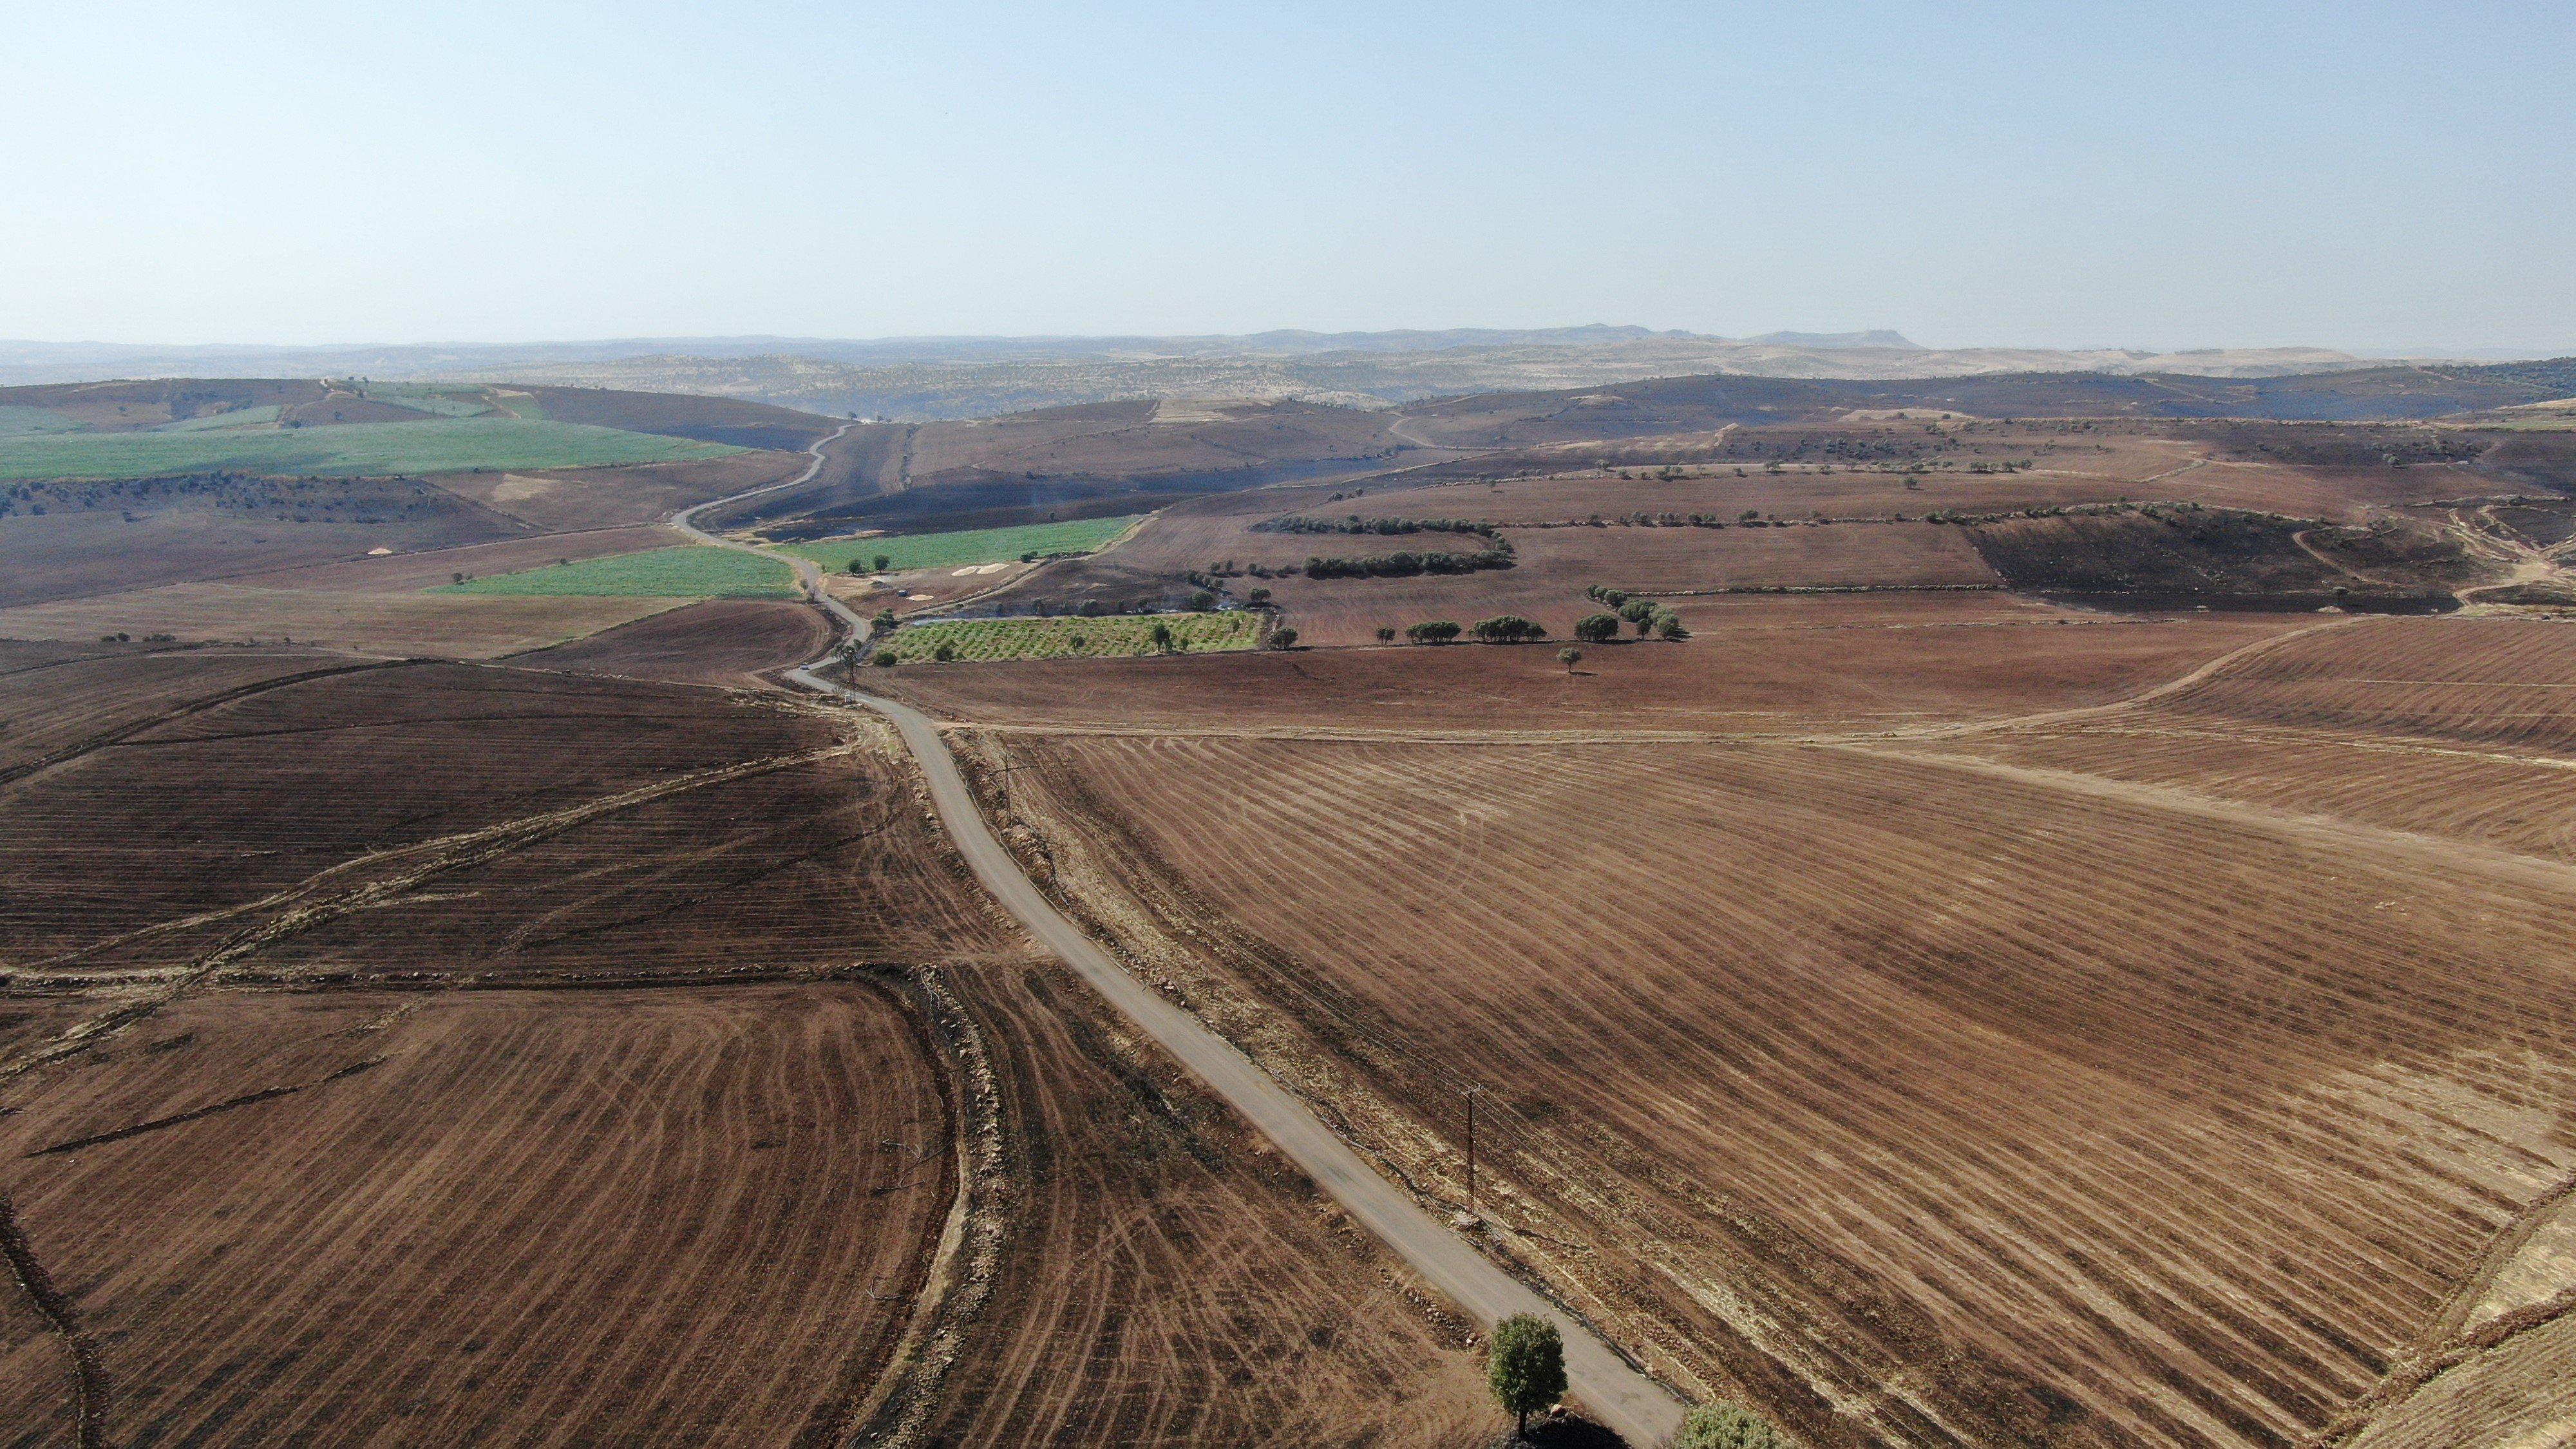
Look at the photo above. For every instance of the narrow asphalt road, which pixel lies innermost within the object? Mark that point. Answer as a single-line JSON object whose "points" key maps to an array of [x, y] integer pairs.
{"points": [[1616, 1394]]}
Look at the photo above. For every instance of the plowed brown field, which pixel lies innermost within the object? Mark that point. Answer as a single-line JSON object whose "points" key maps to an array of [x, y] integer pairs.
{"points": [[404, 573], [2124, 467], [2454, 728], [451, 626], [731, 642], [1554, 566], [56, 699], [1755, 664], [479, 1218], [1166, 1279], [1919, 1105], [580, 498], [728, 816], [655, 1211]]}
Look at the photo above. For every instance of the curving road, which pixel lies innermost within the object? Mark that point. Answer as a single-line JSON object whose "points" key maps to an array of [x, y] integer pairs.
{"points": [[1616, 1393]]}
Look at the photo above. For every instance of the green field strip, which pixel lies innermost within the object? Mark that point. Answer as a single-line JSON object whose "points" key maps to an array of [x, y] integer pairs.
{"points": [[690, 570], [451, 403], [957, 550], [20, 422], [213, 422]]}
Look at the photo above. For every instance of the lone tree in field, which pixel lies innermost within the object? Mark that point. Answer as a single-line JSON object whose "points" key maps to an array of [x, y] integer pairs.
{"points": [[1597, 628], [1527, 1369], [1385, 635], [1161, 635], [1724, 1426], [1569, 658], [884, 562], [1283, 638]]}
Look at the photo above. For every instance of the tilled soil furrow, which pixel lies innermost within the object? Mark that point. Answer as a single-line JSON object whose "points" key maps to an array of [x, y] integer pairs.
{"points": [[2084, 1098]]}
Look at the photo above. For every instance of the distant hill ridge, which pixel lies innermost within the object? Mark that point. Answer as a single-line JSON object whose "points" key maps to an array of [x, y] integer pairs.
{"points": [[925, 378]]}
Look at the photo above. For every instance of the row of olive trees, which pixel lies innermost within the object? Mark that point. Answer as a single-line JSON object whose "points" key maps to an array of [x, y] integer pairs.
{"points": [[1500, 629]]}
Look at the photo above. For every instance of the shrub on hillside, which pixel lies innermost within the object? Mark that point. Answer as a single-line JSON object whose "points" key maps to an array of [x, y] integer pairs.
{"points": [[1507, 629], [1724, 1426]]}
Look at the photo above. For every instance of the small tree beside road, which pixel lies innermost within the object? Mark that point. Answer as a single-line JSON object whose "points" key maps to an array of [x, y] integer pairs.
{"points": [[1526, 1367]]}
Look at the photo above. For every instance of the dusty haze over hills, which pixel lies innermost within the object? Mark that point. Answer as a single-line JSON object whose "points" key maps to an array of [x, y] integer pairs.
{"points": [[922, 378]]}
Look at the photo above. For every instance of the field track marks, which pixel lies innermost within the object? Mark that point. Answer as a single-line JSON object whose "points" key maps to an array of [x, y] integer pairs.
{"points": [[89, 1375], [2169, 688], [2413, 1372], [2321, 831], [196, 1114], [132, 728], [303, 908], [1637, 1407]]}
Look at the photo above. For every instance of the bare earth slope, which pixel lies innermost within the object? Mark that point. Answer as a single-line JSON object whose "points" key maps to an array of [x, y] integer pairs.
{"points": [[1921, 1108], [427, 1242], [317, 1180]]}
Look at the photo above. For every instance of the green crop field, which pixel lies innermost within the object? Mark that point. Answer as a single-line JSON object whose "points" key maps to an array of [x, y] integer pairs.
{"points": [[432, 445], [17, 420], [1066, 638], [956, 550], [690, 571], [211, 422], [452, 402]]}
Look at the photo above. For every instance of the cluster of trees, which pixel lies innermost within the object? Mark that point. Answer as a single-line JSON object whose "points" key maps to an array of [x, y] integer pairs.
{"points": [[1500, 629], [1507, 629], [1404, 564], [881, 563], [1092, 608], [1649, 617], [2164, 511]]}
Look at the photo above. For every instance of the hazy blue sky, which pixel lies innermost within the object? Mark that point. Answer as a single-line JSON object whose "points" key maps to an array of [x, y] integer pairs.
{"points": [[2162, 175]]}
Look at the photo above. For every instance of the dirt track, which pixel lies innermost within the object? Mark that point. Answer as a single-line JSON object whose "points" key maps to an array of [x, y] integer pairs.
{"points": [[1623, 1398], [1620, 1396]]}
